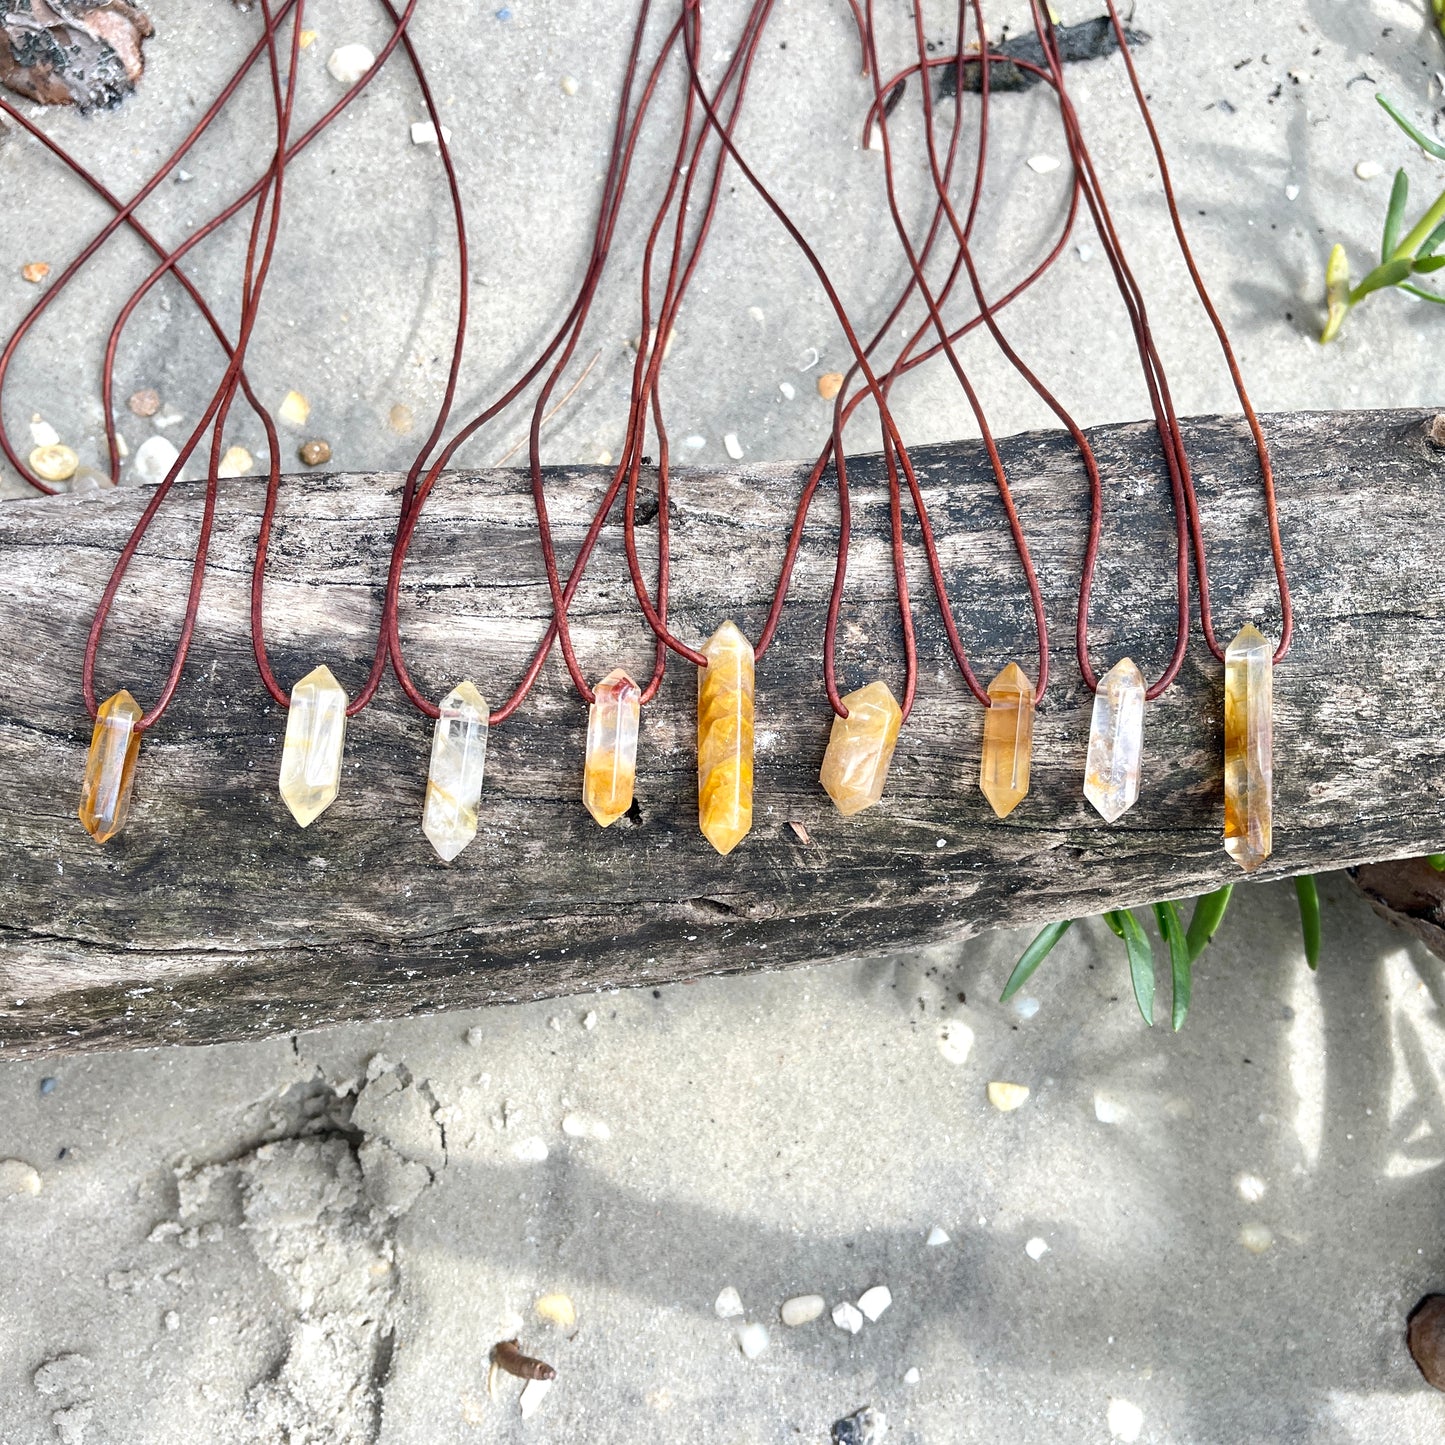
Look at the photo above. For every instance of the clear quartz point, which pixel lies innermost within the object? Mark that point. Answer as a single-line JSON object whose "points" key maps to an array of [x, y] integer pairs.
{"points": [[1116, 741], [454, 778], [315, 738]]}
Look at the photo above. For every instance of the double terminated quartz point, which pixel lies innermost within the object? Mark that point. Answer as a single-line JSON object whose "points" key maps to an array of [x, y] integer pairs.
{"points": [[315, 738], [454, 778], [1008, 740], [610, 771], [725, 739], [1248, 748], [110, 767], [1116, 741]]}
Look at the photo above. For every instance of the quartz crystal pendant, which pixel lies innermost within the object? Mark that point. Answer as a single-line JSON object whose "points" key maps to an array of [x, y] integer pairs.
{"points": [[110, 767], [454, 779], [1116, 740], [1008, 740], [725, 739], [611, 767], [311, 754], [1248, 748], [860, 748]]}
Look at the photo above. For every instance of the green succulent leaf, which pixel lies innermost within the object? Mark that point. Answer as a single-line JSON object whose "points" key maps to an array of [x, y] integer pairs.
{"points": [[1431, 243], [1033, 956], [1437, 860], [1171, 926], [1430, 147], [1207, 916], [1337, 293], [1395, 215], [1309, 916], [1425, 264], [1114, 919], [1423, 294], [1390, 273], [1141, 963]]}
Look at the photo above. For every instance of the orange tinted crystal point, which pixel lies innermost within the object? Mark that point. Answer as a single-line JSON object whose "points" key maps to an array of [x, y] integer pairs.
{"points": [[610, 771], [1008, 740], [1248, 748], [725, 739], [110, 767], [860, 748]]}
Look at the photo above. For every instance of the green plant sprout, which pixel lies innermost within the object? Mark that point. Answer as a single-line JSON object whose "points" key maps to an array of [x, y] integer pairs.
{"points": [[1401, 257], [1184, 945], [1437, 8]]}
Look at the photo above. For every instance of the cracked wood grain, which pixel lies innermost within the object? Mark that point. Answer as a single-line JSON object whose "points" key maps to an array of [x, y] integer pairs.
{"points": [[213, 917]]}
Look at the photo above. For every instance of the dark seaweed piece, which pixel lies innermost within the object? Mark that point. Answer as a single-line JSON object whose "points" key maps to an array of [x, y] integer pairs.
{"points": [[1088, 40]]}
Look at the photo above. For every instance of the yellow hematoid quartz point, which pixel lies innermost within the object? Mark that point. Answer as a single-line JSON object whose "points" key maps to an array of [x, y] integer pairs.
{"points": [[1008, 740], [454, 779], [1248, 748], [1116, 741], [860, 748], [110, 767], [725, 739], [611, 767], [315, 737]]}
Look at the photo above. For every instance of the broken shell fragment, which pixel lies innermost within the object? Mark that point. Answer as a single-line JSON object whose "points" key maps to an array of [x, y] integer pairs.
{"points": [[35, 271], [294, 409], [315, 453]]}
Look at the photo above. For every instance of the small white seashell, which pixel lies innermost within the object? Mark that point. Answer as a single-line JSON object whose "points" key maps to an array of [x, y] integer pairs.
{"points": [[557, 1309], [1251, 1188], [42, 433], [802, 1309], [17, 1178], [1106, 1111], [1256, 1238], [847, 1317], [1368, 170], [911, 1377], [936, 1236], [788, 389], [569, 85], [694, 443], [756, 312], [1025, 1005], [955, 1041], [424, 133], [733, 446], [589, 1019], [294, 409], [1291, 193], [1043, 164], [1125, 1419], [531, 1396], [583, 1126], [1007, 1097], [1036, 1249], [752, 1339], [154, 458], [874, 1301], [348, 63], [728, 1305], [531, 1151], [236, 463]]}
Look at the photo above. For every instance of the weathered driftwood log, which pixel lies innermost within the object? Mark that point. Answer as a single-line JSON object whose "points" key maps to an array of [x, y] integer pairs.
{"points": [[1410, 893], [214, 917]]}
